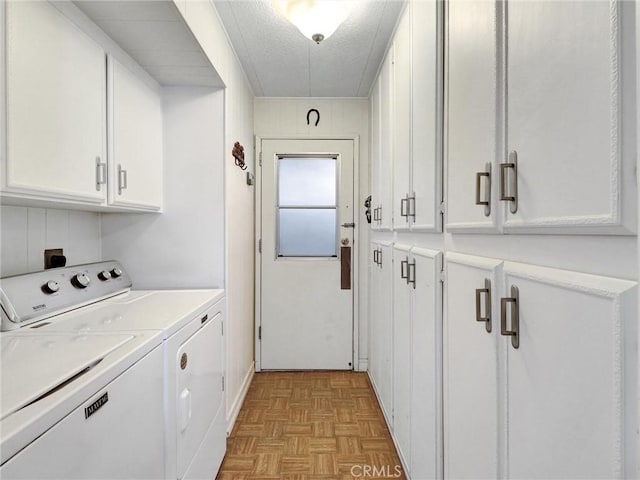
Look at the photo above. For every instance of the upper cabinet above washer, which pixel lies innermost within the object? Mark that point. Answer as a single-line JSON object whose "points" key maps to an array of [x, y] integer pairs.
{"points": [[55, 106], [541, 117]]}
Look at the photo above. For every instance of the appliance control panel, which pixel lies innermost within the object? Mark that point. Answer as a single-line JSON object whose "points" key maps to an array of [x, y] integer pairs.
{"points": [[28, 298]]}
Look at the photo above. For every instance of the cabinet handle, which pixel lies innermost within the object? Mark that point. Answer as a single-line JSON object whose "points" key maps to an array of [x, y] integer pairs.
{"points": [[411, 274], [514, 333], [487, 202], [380, 215], [380, 258], [411, 210], [404, 202], [404, 264], [487, 304], [122, 179], [376, 214], [509, 183], [101, 173], [375, 256]]}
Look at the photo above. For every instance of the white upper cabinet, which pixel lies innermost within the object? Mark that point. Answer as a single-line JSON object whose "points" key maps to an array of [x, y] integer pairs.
{"points": [[384, 202], [374, 119], [55, 106], [401, 125], [426, 115], [567, 71], [472, 116], [135, 140], [76, 133], [417, 118], [541, 117]]}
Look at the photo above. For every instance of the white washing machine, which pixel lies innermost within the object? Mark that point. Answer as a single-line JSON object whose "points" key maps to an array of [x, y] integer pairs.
{"points": [[185, 328]]}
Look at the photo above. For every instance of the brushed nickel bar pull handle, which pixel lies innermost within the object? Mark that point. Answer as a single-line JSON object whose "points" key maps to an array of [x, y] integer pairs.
{"points": [[479, 176], [411, 274], [375, 214], [404, 264], [101, 176], [122, 179], [509, 183], [375, 256], [380, 215], [411, 210], [514, 333], [404, 203], [487, 305], [380, 258]]}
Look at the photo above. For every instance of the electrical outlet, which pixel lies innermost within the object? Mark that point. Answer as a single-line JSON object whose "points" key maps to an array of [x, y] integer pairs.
{"points": [[54, 257]]}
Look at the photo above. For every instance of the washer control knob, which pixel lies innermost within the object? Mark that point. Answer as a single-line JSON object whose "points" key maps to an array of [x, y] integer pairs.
{"points": [[81, 280], [104, 275], [116, 272], [51, 287]]}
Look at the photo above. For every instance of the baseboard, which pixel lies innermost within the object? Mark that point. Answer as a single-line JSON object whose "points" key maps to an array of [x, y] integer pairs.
{"points": [[239, 400], [389, 423]]}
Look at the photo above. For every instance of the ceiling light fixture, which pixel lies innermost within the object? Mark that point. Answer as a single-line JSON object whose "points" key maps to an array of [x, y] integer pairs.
{"points": [[316, 19]]}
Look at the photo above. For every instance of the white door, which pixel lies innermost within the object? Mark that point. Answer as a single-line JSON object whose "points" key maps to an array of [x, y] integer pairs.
{"points": [[307, 240]]}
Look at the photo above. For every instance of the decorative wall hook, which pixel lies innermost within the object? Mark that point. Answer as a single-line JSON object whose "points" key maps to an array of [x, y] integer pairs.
{"points": [[317, 118], [238, 154]]}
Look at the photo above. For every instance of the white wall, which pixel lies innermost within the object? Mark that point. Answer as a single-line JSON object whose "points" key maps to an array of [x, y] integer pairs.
{"points": [[338, 116], [203, 20], [182, 247], [26, 232]]}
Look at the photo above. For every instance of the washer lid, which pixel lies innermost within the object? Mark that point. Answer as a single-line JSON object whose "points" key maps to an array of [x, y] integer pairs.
{"points": [[34, 366]]}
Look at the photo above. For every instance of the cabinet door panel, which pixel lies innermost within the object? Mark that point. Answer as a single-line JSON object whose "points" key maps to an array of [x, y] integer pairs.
{"points": [[564, 112], [375, 152], [426, 114], [471, 400], [401, 119], [385, 319], [375, 335], [386, 154], [472, 120], [426, 366], [136, 141], [566, 381], [56, 120], [401, 354]]}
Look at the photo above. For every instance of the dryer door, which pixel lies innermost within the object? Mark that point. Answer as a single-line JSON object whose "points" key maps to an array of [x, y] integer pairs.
{"points": [[198, 388]]}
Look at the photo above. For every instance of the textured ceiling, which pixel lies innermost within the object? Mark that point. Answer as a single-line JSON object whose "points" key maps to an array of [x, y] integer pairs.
{"points": [[280, 62]]}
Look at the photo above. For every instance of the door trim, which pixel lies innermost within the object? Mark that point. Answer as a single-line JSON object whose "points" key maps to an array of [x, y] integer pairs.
{"points": [[356, 239]]}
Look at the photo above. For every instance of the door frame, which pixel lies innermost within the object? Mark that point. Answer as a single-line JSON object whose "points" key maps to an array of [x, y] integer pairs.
{"points": [[355, 266]]}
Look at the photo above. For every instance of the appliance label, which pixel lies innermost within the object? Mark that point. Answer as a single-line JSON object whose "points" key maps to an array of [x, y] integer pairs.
{"points": [[97, 405]]}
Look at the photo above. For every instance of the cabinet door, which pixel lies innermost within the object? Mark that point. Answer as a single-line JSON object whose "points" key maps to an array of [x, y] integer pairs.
{"points": [[386, 330], [135, 140], [426, 365], [56, 108], [471, 399], [375, 153], [401, 352], [568, 378], [567, 84], [426, 115], [375, 336], [472, 115], [401, 125], [386, 158]]}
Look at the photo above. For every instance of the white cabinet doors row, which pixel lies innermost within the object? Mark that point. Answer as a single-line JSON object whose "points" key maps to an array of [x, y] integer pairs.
{"points": [[57, 117], [541, 117], [417, 354], [563, 403], [406, 121]]}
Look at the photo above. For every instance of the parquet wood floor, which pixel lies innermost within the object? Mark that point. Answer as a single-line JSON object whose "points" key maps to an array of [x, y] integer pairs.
{"points": [[310, 425]]}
